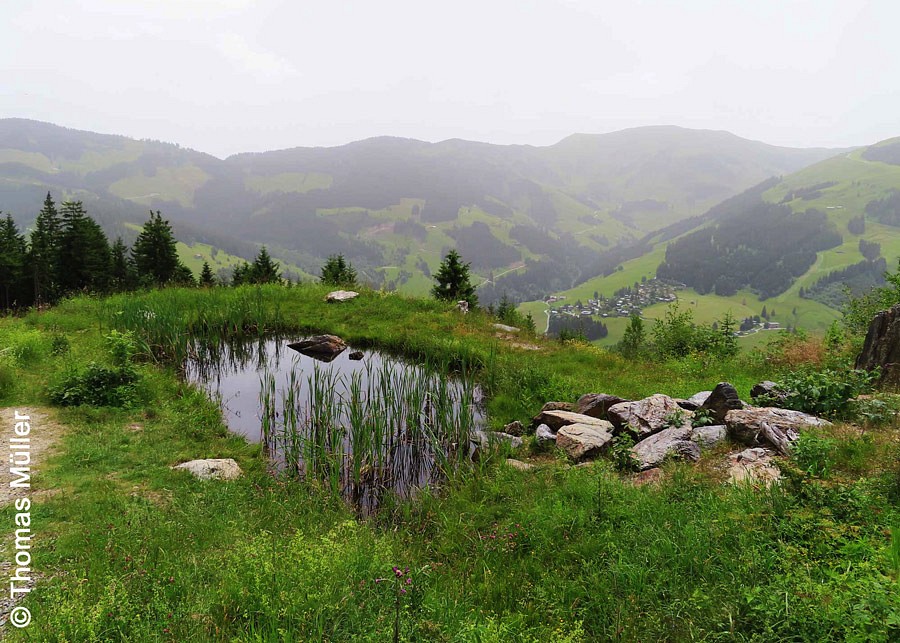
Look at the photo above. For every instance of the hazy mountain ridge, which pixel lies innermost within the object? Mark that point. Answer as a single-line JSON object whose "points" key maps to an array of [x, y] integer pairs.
{"points": [[585, 193], [843, 213]]}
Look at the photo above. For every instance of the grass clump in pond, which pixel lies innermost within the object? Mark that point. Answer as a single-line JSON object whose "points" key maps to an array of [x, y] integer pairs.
{"points": [[395, 427]]}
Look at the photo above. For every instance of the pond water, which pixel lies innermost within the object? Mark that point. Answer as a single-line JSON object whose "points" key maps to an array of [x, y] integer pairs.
{"points": [[361, 427]]}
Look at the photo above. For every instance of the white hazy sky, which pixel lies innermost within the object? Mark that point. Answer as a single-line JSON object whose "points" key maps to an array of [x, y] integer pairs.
{"points": [[226, 76]]}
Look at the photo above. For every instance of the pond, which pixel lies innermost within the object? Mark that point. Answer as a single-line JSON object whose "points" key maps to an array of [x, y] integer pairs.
{"points": [[362, 426]]}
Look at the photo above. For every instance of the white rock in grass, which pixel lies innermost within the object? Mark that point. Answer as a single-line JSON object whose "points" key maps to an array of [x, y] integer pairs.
{"points": [[341, 295], [212, 469]]}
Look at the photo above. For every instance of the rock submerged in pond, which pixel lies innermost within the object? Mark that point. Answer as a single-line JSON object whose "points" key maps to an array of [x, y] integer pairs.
{"points": [[321, 347], [338, 296], [212, 469], [668, 443], [356, 355], [770, 426], [596, 404], [582, 441]]}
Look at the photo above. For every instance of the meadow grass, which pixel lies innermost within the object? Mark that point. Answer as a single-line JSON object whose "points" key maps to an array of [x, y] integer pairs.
{"points": [[131, 550]]}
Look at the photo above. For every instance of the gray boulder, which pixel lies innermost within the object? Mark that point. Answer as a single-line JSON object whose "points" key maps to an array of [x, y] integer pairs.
{"points": [[544, 435], [596, 404], [766, 389], [668, 443], [321, 347], [695, 401], [212, 469], [506, 329], [723, 398], [644, 417], [583, 441], [709, 436], [518, 464], [557, 406], [338, 296], [555, 420], [768, 426]]}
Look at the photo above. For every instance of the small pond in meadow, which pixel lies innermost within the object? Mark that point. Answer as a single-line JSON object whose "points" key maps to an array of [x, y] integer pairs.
{"points": [[361, 427]]}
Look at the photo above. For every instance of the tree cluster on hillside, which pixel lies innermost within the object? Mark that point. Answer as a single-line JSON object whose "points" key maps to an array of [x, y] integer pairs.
{"points": [[886, 210], [67, 252], [677, 335], [586, 327], [765, 249], [834, 288]]}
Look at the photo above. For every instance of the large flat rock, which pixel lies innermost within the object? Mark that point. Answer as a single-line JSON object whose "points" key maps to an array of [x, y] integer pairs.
{"points": [[556, 420], [769, 426], [583, 441], [668, 443], [644, 417]]}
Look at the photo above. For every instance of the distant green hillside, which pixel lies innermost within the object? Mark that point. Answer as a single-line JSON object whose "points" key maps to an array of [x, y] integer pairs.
{"points": [[395, 206], [849, 203]]}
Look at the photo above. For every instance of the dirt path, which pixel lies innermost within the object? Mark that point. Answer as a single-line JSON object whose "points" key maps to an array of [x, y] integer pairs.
{"points": [[43, 439]]}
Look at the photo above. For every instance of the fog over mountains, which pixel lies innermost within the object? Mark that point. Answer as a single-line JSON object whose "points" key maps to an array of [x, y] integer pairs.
{"points": [[394, 206]]}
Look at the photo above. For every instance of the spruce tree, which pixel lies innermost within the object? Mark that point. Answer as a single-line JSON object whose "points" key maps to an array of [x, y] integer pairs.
{"points": [[12, 264], [42, 256], [121, 267], [83, 258], [453, 282], [206, 276], [241, 274], [264, 270], [338, 272], [155, 252]]}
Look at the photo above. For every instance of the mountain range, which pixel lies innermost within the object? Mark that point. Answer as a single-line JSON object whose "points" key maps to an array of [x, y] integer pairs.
{"points": [[551, 216]]}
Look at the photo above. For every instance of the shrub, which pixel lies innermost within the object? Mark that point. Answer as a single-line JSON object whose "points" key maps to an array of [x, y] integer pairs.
{"points": [[829, 393], [621, 454], [96, 385]]}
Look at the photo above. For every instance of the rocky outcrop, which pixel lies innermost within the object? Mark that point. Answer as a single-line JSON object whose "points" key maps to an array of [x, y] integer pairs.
{"points": [[668, 443], [338, 296], [582, 441], [769, 426], [644, 417], [556, 420], [321, 347], [723, 398], [212, 469], [709, 436], [596, 404], [882, 346]]}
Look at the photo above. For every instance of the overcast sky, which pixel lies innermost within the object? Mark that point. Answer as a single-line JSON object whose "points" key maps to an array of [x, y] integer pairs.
{"points": [[226, 76]]}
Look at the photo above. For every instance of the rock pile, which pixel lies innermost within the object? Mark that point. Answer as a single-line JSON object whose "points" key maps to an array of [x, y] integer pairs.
{"points": [[663, 427]]}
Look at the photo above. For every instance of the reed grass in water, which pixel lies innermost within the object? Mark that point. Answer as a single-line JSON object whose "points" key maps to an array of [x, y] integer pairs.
{"points": [[395, 427]]}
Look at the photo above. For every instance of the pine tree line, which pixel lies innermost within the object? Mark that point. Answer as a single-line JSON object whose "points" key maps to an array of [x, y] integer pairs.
{"points": [[67, 253]]}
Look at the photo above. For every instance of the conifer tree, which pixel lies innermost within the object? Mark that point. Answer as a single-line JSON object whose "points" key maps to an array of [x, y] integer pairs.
{"points": [[42, 256], [155, 252], [453, 282], [12, 263], [122, 274], [338, 272], [83, 257], [206, 276], [241, 274], [264, 270]]}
